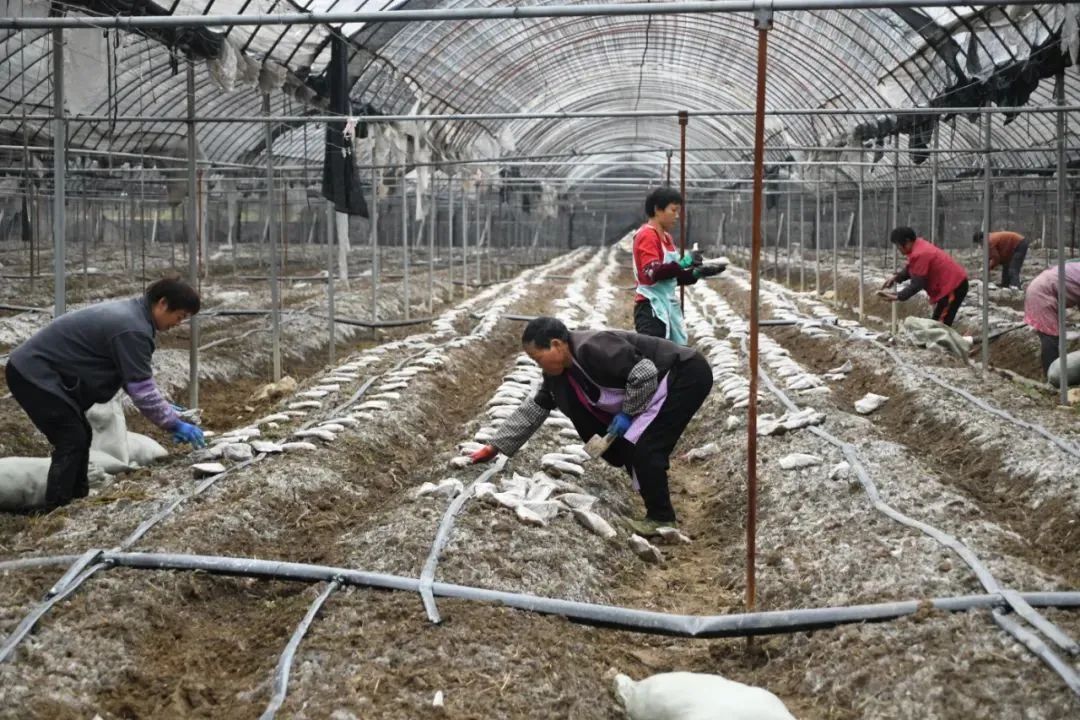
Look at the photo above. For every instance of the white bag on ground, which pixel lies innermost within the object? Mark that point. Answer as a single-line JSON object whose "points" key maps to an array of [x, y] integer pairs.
{"points": [[108, 463], [143, 450], [1072, 361], [696, 696], [22, 483], [109, 429]]}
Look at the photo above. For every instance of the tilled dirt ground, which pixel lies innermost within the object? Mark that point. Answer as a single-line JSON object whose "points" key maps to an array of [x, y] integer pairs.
{"points": [[146, 644]]}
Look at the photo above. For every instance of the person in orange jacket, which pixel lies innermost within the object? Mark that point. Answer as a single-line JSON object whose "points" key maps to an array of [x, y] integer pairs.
{"points": [[1007, 249]]}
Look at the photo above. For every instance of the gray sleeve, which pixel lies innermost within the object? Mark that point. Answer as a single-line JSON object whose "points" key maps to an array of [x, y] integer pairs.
{"points": [[640, 387], [519, 427], [132, 352]]}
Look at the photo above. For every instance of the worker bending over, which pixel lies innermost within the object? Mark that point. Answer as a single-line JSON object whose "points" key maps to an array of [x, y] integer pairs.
{"points": [[931, 269], [1007, 249], [642, 389], [85, 357], [1041, 307], [660, 269]]}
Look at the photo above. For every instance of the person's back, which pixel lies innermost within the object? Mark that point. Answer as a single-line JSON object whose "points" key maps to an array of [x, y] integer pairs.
{"points": [[82, 356], [1003, 244], [1041, 297], [943, 274]]}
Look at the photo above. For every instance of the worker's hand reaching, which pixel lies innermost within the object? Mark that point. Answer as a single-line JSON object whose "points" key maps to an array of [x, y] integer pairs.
{"points": [[709, 270], [889, 283], [188, 433], [484, 454], [887, 295], [619, 425]]}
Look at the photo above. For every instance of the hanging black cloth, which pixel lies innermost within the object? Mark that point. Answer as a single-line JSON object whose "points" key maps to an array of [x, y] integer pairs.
{"points": [[341, 181]]}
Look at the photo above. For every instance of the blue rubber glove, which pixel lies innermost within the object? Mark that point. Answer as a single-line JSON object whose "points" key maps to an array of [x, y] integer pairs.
{"points": [[188, 433], [619, 425]]}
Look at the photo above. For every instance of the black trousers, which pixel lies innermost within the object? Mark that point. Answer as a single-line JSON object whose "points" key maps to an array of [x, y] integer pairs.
{"points": [[68, 432], [688, 385], [645, 323], [1048, 350], [945, 310], [1010, 273]]}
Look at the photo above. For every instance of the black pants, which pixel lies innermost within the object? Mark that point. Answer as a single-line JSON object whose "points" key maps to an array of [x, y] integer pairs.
{"points": [[1010, 272], [688, 385], [1048, 350], [645, 323], [945, 310], [67, 431]]}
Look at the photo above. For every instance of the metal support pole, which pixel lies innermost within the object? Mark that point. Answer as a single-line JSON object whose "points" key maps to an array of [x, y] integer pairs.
{"points": [[817, 240], [193, 248], [464, 240], [893, 321], [59, 175], [432, 218], [787, 263], [933, 186], [450, 234], [987, 190], [603, 231], [763, 22], [835, 237], [817, 236], [373, 237], [330, 234], [1059, 230], [479, 238], [862, 263], [683, 119], [405, 237], [271, 241], [802, 242]]}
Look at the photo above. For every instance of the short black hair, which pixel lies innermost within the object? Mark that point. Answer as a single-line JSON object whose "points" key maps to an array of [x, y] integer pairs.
{"points": [[901, 235], [977, 237], [542, 330], [178, 294], [660, 198]]}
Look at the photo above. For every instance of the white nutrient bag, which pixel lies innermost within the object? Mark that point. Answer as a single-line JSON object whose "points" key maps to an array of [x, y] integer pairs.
{"points": [[696, 696], [143, 450], [1072, 362], [109, 428], [22, 483]]}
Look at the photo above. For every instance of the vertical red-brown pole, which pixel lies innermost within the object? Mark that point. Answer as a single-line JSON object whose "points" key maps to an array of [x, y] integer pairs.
{"points": [[684, 117], [763, 22], [668, 180]]}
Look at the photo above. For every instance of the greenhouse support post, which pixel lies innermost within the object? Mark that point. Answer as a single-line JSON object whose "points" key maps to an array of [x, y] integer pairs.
{"points": [[933, 185], [893, 320], [432, 218], [193, 249], [762, 23], [405, 237], [373, 237], [683, 119], [272, 235], [450, 234], [862, 259], [1059, 232], [59, 175], [987, 190], [835, 241], [330, 328]]}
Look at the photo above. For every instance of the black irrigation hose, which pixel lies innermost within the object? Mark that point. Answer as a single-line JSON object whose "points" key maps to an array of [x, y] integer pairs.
{"points": [[427, 574], [1067, 673], [284, 666], [647, 621], [1060, 442]]}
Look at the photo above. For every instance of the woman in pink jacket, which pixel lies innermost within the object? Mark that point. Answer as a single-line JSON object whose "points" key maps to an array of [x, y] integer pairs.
{"points": [[1041, 307]]}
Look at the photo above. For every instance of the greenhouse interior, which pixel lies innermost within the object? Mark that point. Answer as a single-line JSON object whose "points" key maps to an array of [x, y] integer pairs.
{"points": [[675, 360]]}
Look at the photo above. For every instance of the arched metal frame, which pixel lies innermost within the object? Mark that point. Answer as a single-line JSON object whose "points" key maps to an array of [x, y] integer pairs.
{"points": [[834, 59]]}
